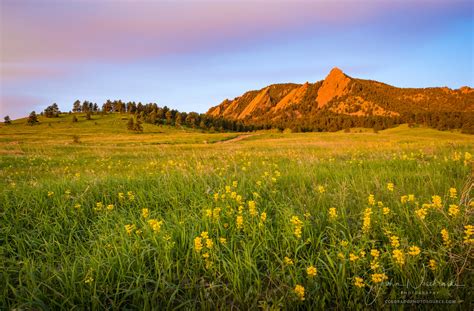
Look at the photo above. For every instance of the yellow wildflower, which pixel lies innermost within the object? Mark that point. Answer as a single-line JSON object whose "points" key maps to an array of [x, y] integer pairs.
{"points": [[311, 271], [223, 241], [121, 196], [414, 250], [453, 210], [432, 264], [436, 201], [366, 220], [332, 213], [155, 224], [209, 244], [341, 255], [445, 237], [252, 208], [344, 243], [110, 207], [468, 233], [467, 158], [404, 199], [205, 235], [386, 210], [216, 213], [205, 255], [288, 261], [299, 291], [390, 186], [411, 198], [371, 199], [198, 244], [453, 193], [421, 213], [395, 241], [379, 277], [129, 228], [234, 184], [359, 282], [374, 265], [321, 189], [240, 221], [298, 225], [374, 253], [131, 196], [398, 256], [263, 216], [145, 213], [353, 257], [77, 205], [50, 193]]}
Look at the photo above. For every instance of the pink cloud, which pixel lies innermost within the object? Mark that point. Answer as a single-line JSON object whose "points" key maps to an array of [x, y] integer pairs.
{"points": [[37, 32], [121, 30]]}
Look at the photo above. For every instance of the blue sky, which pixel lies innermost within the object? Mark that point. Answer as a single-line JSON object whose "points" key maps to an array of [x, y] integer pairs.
{"points": [[191, 55]]}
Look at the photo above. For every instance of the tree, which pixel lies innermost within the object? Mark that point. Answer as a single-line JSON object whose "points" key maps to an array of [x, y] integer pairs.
{"points": [[169, 117], [32, 118], [76, 107], [130, 124], [177, 119], [7, 120], [52, 111], [134, 124], [137, 127]]}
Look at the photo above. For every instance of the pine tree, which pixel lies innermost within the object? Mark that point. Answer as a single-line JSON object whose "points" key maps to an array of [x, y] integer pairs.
{"points": [[76, 107], [32, 118], [130, 124], [7, 120], [137, 127]]}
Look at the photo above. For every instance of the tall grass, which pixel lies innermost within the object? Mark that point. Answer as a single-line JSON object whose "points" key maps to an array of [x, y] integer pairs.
{"points": [[64, 209]]}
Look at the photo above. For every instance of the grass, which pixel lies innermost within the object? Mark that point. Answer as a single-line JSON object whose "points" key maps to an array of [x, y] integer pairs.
{"points": [[64, 207]]}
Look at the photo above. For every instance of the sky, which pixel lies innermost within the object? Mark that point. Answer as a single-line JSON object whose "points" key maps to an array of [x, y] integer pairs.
{"points": [[190, 55]]}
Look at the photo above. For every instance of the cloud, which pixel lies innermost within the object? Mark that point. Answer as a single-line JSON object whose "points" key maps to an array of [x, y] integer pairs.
{"points": [[34, 31]]}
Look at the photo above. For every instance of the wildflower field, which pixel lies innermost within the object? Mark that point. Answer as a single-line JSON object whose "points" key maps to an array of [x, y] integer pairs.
{"points": [[94, 217]]}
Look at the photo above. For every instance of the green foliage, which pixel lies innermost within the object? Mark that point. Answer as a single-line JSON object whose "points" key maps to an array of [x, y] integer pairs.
{"points": [[52, 111], [32, 118]]}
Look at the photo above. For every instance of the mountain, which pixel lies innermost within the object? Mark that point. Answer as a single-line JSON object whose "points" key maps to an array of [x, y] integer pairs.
{"points": [[339, 95]]}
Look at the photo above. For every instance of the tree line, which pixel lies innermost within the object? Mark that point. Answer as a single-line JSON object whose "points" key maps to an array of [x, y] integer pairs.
{"points": [[320, 121]]}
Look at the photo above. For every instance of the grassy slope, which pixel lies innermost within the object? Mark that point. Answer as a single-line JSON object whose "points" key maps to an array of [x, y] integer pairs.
{"points": [[54, 254]]}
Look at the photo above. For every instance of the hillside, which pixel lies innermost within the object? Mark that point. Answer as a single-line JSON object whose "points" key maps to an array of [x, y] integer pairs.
{"points": [[341, 96]]}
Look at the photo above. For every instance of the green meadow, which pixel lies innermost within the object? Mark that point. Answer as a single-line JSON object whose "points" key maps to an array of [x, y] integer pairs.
{"points": [[93, 216]]}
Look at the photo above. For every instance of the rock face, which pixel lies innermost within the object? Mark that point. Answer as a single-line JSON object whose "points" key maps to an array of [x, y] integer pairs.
{"points": [[334, 85], [343, 95]]}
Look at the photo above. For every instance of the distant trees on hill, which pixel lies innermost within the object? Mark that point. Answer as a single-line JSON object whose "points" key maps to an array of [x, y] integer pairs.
{"points": [[7, 120], [322, 120]]}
